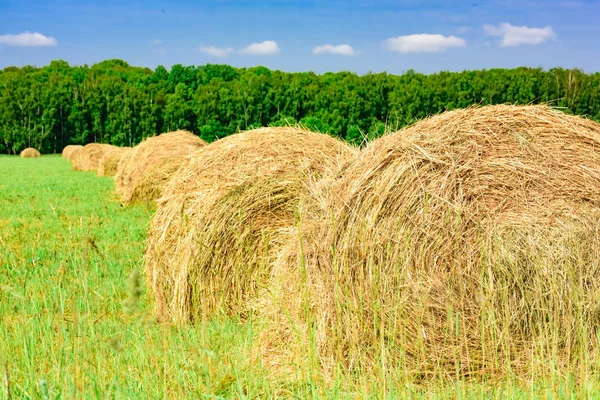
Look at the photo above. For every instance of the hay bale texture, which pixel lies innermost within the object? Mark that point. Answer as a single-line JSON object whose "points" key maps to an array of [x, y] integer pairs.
{"points": [[73, 153], [224, 216], [145, 170], [69, 151], [465, 244], [30, 153], [110, 161], [88, 158]]}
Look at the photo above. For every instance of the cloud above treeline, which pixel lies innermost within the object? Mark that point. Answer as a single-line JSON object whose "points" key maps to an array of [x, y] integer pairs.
{"points": [[341, 49], [266, 48], [216, 51], [27, 39], [519, 35], [509, 35], [424, 43]]}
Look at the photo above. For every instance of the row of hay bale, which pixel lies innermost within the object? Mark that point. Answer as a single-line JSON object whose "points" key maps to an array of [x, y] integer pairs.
{"points": [[94, 157], [91, 156], [88, 160], [466, 243], [140, 172]]}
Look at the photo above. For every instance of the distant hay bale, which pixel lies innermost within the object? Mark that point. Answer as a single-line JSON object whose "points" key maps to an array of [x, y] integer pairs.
{"points": [[465, 244], [110, 161], [69, 151], [147, 168], [30, 153], [225, 214], [88, 158]]}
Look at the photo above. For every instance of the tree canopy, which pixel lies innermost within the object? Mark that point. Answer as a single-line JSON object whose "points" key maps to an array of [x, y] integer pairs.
{"points": [[113, 102]]}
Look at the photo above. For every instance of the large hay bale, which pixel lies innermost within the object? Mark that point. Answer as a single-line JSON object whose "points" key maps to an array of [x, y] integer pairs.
{"points": [[88, 158], [110, 161], [69, 150], [224, 216], [30, 153], [150, 165], [466, 244]]}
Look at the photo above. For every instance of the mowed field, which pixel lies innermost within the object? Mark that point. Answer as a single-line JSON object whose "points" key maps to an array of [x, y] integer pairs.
{"points": [[76, 320]]}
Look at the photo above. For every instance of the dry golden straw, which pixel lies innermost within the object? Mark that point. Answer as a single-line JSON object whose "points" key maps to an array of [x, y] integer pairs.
{"points": [[110, 161], [73, 153], [147, 168], [224, 216], [69, 151], [30, 153], [464, 245], [88, 158]]}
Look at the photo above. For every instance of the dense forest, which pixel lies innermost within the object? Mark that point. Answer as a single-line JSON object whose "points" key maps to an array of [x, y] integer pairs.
{"points": [[112, 102]]}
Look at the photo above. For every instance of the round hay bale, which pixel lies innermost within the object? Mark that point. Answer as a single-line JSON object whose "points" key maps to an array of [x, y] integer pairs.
{"points": [[110, 161], [88, 158], [73, 154], [150, 165], [69, 150], [465, 244], [224, 216], [30, 153]]}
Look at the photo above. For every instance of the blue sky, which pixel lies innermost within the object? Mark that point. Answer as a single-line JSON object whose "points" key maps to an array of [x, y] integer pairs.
{"points": [[305, 35]]}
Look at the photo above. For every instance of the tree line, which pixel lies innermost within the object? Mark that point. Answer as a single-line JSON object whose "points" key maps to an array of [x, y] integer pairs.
{"points": [[113, 102]]}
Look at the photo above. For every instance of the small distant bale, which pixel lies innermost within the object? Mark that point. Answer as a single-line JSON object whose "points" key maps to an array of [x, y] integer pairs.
{"points": [[224, 216], [110, 161], [88, 158], [30, 153], [69, 151], [464, 245], [147, 168]]}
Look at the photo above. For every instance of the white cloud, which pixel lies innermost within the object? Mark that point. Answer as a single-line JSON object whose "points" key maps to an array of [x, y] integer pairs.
{"points": [[217, 51], [519, 35], [27, 39], [342, 49], [268, 47], [424, 43], [157, 42]]}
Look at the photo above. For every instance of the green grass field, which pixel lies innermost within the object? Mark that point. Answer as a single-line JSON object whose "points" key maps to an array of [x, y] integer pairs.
{"points": [[76, 321]]}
